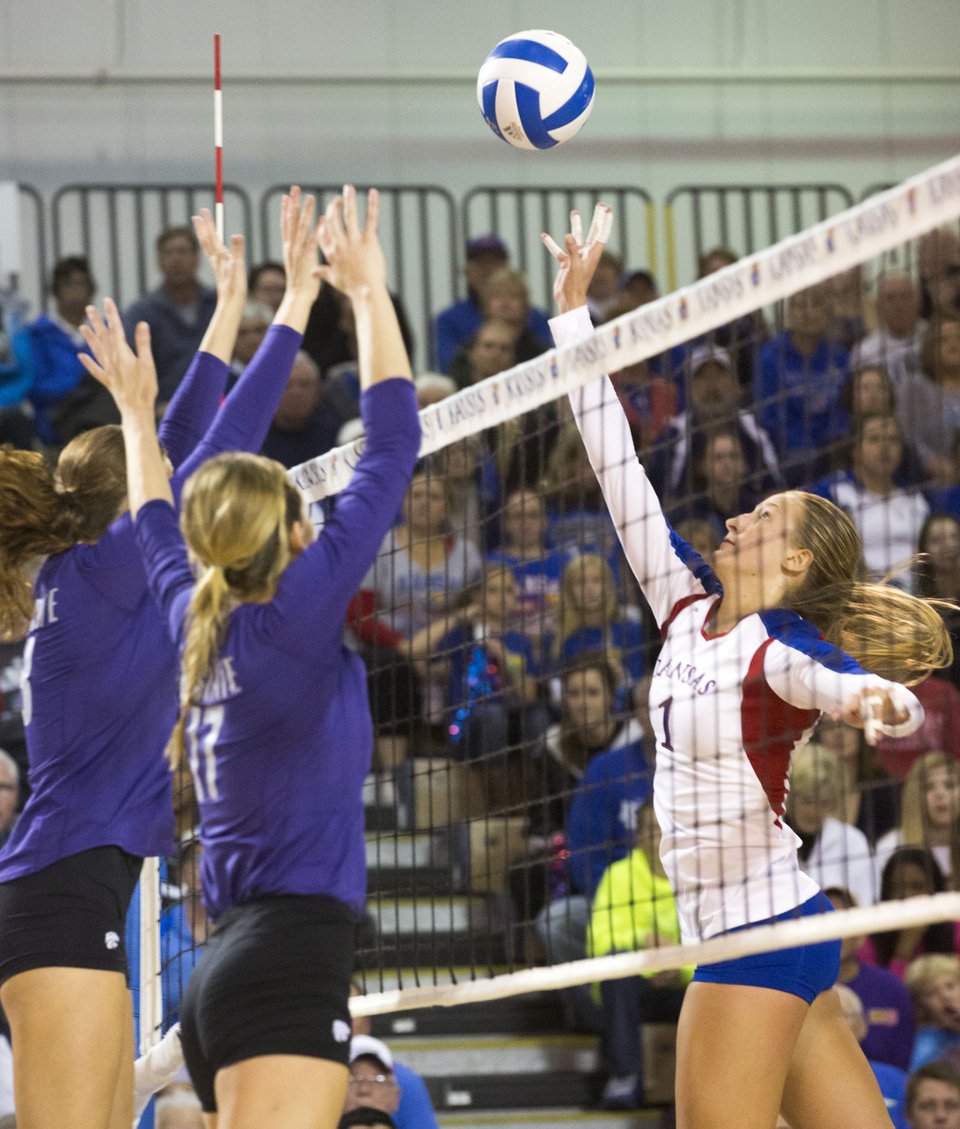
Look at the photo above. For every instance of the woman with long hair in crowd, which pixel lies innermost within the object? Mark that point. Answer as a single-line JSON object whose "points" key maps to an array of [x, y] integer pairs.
{"points": [[99, 698], [273, 712], [781, 629]]}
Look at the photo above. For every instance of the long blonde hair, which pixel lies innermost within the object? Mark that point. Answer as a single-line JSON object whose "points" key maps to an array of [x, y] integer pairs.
{"points": [[888, 631], [914, 830], [43, 512], [236, 515], [570, 615]]}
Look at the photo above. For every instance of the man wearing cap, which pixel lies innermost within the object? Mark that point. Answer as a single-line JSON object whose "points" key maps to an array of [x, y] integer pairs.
{"points": [[377, 1081], [713, 398], [455, 326]]}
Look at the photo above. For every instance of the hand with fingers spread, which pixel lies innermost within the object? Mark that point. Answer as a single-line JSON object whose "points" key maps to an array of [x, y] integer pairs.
{"points": [[355, 260], [227, 263], [130, 377], [578, 259], [299, 244]]}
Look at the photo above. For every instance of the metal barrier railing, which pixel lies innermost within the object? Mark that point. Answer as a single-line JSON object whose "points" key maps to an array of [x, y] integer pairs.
{"points": [[418, 229], [743, 217], [518, 215], [31, 282], [116, 225]]}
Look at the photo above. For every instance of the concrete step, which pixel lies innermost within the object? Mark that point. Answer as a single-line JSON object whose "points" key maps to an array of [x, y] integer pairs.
{"points": [[534, 1013], [435, 918], [460, 1058], [549, 1118]]}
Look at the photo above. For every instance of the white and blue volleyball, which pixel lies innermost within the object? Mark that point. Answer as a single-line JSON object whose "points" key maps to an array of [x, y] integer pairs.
{"points": [[535, 89]]}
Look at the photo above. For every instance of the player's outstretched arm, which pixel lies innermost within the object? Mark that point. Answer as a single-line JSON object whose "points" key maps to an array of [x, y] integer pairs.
{"points": [[230, 278], [131, 378], [655, 555], [356, 266]]}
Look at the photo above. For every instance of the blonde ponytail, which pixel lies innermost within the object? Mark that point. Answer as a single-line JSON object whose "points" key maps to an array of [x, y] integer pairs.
{"points": [[236, 517]]}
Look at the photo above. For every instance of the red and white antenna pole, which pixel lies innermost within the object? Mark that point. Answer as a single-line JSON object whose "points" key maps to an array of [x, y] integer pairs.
{"points": [[218, 135]]}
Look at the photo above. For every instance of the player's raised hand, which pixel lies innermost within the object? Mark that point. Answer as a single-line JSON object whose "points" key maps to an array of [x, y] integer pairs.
{"points": [[355, 260], [578, 258], [227, 263], [130, 377], [299, 244]]}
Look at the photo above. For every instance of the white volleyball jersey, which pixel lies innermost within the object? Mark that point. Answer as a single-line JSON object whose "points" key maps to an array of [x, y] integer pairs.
{"points": [[728, 709]]}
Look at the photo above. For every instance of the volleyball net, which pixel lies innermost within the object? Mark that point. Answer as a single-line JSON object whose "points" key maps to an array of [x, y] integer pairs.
{"points": [[511, 844]]}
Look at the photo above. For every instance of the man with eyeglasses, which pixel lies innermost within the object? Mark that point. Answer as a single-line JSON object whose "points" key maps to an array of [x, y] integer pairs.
{"points": [[372, 1081]]}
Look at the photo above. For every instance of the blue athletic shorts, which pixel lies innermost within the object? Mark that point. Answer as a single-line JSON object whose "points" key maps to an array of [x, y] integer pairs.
{"points": [[805, 971]]}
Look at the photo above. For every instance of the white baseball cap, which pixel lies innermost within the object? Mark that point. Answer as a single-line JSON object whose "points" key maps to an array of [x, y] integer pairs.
{"points": [[362, 1045]]}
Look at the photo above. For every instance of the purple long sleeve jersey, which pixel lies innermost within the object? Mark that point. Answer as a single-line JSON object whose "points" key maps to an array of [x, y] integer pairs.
{"points": [[100, 671], [281, 739]]}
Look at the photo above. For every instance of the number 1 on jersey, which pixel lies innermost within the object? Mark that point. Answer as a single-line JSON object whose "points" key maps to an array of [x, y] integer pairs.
{"points": [[665, 706], [202, 730]]}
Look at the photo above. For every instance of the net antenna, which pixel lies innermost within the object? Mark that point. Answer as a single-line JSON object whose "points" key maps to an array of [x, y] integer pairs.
{"points": [[218, 136]]}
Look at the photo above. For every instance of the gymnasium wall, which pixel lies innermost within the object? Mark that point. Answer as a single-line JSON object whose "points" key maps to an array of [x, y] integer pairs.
{"points": [[855, 91]]}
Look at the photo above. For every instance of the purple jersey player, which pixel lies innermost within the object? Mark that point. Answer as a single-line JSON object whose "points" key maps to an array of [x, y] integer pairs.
{"points": [[274, 715], [99, 702]]}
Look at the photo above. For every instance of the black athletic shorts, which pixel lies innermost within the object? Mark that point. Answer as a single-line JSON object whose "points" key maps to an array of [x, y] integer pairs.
{"points": [[274, 979], [71, 914]]}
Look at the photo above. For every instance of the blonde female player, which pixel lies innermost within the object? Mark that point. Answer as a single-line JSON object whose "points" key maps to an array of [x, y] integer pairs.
{"points": [[751, 656], [274, 713]]}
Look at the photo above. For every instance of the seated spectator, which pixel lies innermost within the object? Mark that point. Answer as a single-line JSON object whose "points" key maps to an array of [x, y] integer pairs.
{"points": [[887, 1006], [933, 1097], [868, 390], [911, 872], [938, 263], [432, 387], [940, 728], [492, 700], [929, 814], [372, 1083], [591, 619], [302, 426], [725, 496], [47, 348], [421, 569], [938, 575], [743, 336], [266, 283], [895, 345], [603, 293], [634, 909], [254, 323], [713, 401], [930, 400], [853, 314], [473, 489], [832, 852], [700, 536], [888, 518], [649, 400], [536, 567], [578, 519], [934, 984], [16, 417], [415, 1110], [458, 324], [892, 1080], [872, 797], [330, 337], [798, 385], [638, 287], [504, 297], [598, 756], [178, 311]]}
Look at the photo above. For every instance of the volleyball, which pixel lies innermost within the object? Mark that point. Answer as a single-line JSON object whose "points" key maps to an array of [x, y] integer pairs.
{"points": [[535, 89]]}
